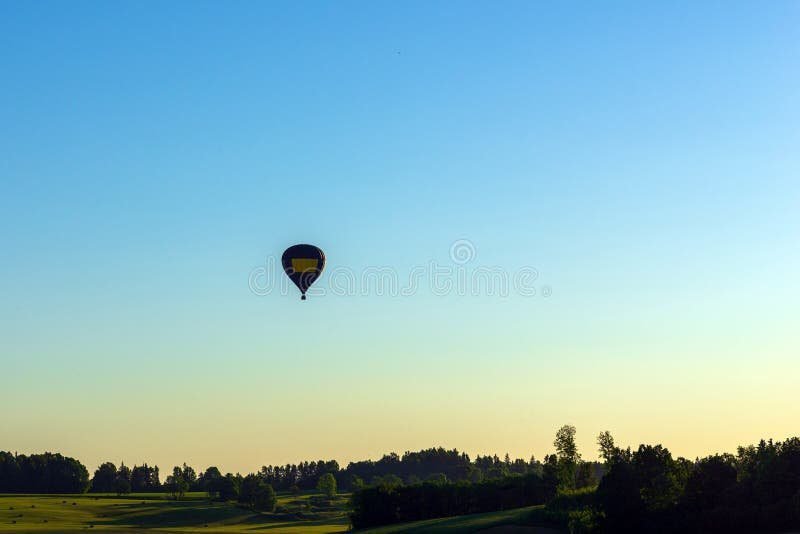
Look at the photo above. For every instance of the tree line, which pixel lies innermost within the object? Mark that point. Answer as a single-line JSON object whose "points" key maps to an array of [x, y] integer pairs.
{"points": [[428, 465], [644, 489], [387, 503], [41, 473], [108, 478], [53, 473], [486, 485], [647, 490]]}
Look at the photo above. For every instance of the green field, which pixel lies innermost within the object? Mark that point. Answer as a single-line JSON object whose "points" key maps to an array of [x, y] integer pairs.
{"points": [[153, 512], [508, 521]]}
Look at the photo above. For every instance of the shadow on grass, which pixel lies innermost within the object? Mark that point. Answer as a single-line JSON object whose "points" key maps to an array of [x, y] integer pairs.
{"points": [[174, 514], [515, 520], [272, 524]]}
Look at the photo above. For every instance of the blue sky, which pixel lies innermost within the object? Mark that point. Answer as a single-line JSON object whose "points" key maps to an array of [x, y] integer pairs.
{"points": [[643, 158]]}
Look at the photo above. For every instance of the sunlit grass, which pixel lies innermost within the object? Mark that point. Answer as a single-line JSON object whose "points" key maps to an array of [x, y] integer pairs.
{"points": [[154, 512], [469, 523]]}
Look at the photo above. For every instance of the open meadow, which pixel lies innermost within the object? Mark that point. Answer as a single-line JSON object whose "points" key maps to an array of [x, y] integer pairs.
{"points": [[155, 513], [149, 512]]}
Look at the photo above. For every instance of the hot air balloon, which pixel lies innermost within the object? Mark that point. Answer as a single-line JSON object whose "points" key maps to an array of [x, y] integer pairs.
{"points": [[303, 264]]}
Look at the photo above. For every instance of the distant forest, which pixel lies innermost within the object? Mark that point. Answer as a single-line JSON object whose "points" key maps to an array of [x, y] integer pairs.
{"points": [[641, 490], [54, 473]]}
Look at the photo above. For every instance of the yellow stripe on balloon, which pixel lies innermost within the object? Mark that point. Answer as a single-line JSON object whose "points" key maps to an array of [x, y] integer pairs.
{"points": [[301, 265]]}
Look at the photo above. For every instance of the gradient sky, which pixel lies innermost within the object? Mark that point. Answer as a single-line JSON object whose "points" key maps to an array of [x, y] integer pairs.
{"points": [[644, 158]]}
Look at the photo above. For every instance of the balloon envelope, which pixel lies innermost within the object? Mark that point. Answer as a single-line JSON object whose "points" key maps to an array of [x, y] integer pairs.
{"points": [[303, 264]]}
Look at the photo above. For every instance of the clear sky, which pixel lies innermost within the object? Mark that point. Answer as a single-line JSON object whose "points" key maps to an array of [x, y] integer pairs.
{"points": [[644, 158]]}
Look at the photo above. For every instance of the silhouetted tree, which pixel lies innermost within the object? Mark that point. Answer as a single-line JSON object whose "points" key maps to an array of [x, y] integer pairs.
{"points": [[145, 478], [566, 449], [122, 483], [42, 473], [567, 454], [608, 451], [228, 487], [176, 485], [257, 494], [122, 486], [327, 485], [190, 476], [104, 478], [709, 481], [209, 481], [657, 477]]}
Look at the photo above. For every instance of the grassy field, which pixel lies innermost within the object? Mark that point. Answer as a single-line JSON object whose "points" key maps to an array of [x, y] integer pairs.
{"points": [[509, 521], [154, 513]]}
